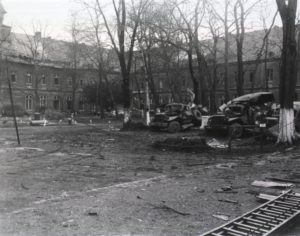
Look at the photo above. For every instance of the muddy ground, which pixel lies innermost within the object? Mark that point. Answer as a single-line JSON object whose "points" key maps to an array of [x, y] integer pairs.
{"points": [[96, 180]]}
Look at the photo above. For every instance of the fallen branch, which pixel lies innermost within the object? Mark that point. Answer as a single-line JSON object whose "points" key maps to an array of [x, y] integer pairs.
{"points": [[165, 207], [228, 201]]}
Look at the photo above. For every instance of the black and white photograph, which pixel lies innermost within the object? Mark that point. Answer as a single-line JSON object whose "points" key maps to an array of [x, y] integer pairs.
{"points": [[149, 118]]}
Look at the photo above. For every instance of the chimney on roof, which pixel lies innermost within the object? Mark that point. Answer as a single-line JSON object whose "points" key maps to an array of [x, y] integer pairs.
{"points": [[38, 35]]}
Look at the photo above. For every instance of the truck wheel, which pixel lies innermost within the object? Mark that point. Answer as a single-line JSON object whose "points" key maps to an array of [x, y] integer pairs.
{"points": [[236, 130], [197, 117], [174, 127], [197, 114]]}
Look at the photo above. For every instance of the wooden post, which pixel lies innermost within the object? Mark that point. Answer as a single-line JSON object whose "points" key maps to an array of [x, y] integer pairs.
{"points": [[12, 103]]}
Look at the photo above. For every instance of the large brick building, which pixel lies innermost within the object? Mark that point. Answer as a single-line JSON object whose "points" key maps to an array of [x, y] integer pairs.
{"points": [[48, 83], [260, 73], [39, 83]]}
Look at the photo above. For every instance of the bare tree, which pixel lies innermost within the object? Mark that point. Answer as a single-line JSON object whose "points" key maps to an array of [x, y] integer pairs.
{"points": [[35, 47], [98, 55], [263, 51], [215, 32], [226, 55], [123, 35], [146, 39], [242, 9], [188, 25], [74, 55], [288, 71], [168, 52]]}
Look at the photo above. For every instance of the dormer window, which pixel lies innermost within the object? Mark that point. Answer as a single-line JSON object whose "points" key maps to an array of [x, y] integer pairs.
{"points": [[28, 78], [43, 79], [56, 80]]}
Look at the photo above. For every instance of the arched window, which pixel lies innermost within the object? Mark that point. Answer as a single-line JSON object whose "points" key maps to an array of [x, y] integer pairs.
{"points": [[28, 102], [43, 101], [69, 103], [56, 103]]}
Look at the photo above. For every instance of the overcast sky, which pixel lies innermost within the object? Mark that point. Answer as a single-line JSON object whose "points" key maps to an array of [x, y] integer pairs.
{"points": [[54, 13]]}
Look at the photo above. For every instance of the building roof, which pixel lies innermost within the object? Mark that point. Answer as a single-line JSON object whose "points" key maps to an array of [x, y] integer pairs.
{"points": [[253, 43], [59, 53]]}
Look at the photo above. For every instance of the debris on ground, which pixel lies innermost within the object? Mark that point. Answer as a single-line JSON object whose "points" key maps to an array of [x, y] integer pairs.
{"points": [[91, 213], [167, 208], [81, 154], [226, 166], [135, 126], [214, 143], [24, 149], [163, 206], [270, 184], [283, 180], [265, 197], [226, 189], [58, 154], [222, 217], [24, 187], [228, 201], [68, 223], [183, 144]]}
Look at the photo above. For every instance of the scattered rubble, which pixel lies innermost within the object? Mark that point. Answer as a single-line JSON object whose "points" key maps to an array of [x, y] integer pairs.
{"points": [[222, 217], [226, 166], [183, 144], [92, 213], [270, 184], [214, 143], [228, 201]]}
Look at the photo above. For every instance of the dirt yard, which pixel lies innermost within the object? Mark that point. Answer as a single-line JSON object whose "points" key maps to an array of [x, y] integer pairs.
{"points": [[97, 180]]}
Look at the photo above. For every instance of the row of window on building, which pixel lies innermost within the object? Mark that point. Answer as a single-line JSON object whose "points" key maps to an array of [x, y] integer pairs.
{"points": [[269, 77], [220, 81], [43, 79], [43, 102]]}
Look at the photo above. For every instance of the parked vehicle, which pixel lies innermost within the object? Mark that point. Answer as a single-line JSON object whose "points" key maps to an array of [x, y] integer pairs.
{"points": [[38, 120], [245, 112], [176, 117]]}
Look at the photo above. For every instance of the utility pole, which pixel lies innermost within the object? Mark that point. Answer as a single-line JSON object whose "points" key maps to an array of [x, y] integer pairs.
{"points": [[12, 103]]}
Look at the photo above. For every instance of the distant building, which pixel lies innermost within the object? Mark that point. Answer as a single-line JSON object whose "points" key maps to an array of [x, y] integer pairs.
{"points": [[44, 80], [260, 74]]}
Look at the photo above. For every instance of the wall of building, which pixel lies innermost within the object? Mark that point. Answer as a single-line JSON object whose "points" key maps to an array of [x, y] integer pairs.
{"points": [[54, 86], [262, 76]]}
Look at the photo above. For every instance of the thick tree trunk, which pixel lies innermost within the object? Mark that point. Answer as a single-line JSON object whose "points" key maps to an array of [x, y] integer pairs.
{"points": [[286, 126], [74, 81], [288, 71], [240, 71], [194, 79], [226, 55], [147, 59], [126, 98], [203, 88]]}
